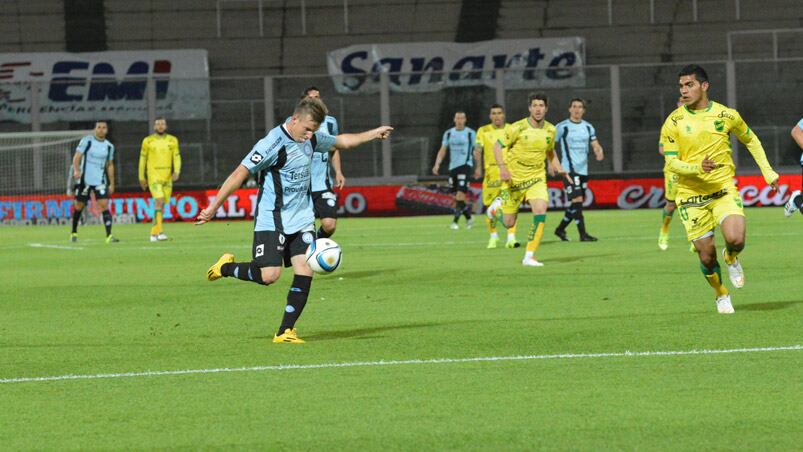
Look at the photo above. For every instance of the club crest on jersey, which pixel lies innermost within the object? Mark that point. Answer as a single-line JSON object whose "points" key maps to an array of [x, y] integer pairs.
{"points": [[688, 129], [281, 239], [307, 237], [719, 125]]}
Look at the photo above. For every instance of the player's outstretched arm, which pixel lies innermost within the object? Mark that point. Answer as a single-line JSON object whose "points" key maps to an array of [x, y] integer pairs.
{"points": [[352, 140], [753, 144], [233, 182]]}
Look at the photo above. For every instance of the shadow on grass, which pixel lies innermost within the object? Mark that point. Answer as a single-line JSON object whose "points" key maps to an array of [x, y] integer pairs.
{"points": [[578, 258], [367, 333], [770, 306]]}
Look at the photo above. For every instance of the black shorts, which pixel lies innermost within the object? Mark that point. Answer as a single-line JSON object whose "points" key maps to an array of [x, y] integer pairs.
{"points": [[82, 192], [272, 249], [577, 187], [458, 178], [325, 204]]}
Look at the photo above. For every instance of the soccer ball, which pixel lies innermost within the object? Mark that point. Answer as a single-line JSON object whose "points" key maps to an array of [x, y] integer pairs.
{"points": [[324, 256]]}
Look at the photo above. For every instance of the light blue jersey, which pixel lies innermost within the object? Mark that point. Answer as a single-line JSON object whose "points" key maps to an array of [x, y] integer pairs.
{"points": [[321, 173], [95, 155], [283, 167], [461, 146], [800, 125], [572, 139]]}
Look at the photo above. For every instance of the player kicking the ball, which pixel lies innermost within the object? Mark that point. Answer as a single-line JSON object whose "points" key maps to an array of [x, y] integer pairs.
{"points": [[284, 222], [697, 149]]}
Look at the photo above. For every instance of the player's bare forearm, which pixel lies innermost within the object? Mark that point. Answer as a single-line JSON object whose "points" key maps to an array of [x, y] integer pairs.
{"points": [[797, 135], [232, 183], [110, 174], [76, 165], [336, 162], [600, 154], [438, 159], [352, 140]]}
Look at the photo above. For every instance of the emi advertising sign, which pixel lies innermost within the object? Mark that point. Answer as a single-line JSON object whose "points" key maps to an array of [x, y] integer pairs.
{"points": [[380, 200], [104, 85], [431, 66]]}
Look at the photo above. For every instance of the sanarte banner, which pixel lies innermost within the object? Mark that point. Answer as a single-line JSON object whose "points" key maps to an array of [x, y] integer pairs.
{"points": [[431, 66], [380, 200], [104, 85]]}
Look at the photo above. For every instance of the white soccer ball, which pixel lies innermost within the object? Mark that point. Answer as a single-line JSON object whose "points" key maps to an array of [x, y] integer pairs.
{"points": [[324, 256]]}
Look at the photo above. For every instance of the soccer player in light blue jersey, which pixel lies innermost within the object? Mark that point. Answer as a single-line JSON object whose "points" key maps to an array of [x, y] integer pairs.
{"points": [[93, 171], [795, 202], [574, 135], [284, 223], [324, 199], [459, 141]]}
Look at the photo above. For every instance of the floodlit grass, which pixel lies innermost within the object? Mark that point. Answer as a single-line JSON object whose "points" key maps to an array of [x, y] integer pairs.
{"points": [[409, 289]]}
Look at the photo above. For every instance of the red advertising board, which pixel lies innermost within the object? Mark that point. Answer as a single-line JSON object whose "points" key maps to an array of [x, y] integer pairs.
{"points": [[376, 200]]}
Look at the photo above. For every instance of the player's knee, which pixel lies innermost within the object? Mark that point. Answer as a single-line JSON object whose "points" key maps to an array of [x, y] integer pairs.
{"points": [[329, 225], [268, 275], [736, 244], [509, 221]]}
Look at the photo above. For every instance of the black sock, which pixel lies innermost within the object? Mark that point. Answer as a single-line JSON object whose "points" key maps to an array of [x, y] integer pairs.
{"points": [[578, 218], [458, 210], [296, 300], [246, 271], [467, 211], [568, 216], [322, 234], [107, 221], [76, 218], [798, 202]]}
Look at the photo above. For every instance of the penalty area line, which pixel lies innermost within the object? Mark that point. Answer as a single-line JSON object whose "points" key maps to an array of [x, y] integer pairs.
{"points": [[285, 367]]}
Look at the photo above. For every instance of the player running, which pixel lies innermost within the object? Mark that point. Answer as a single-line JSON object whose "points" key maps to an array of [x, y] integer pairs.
{"points": [[284, 222], [159, 167], [459, 141], [487, 136], [93, 169], [795, 202], [696, 147], [529, 143], [574, 135]]}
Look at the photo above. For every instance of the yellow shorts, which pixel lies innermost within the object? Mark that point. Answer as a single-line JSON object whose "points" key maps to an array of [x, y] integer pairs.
{"points": [[700, 214], [491, 189], [516, 192], [670, 186], [161, 189]]}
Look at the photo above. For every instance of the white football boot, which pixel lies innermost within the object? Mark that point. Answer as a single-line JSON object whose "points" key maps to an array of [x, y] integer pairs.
{"points": [[735, 272], [724, 305], [790, 208]]}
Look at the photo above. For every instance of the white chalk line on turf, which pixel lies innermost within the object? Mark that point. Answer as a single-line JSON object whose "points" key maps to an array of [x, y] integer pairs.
{"points": [[57, 247], [282, 367]]}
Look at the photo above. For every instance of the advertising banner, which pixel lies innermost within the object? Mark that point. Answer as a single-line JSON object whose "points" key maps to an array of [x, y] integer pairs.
{"points": [[104, 85], [432, 66], [377, 200]]}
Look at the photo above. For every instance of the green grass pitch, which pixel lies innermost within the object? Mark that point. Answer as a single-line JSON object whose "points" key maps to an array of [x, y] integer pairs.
{"points": [[410, 292]]}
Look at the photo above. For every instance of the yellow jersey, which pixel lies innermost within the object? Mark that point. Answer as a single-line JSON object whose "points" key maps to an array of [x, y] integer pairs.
{"points": [[689, 136], [160, 157], [527, 149], [487, 136]]}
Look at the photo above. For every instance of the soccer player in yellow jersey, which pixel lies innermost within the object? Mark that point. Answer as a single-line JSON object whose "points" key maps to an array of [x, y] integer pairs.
{"points": [[670, 192], [696, 148], [529, 143], [487, 136], [159, 167]]}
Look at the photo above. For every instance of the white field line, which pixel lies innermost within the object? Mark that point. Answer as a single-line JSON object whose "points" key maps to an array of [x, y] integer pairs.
{"points": [[382, 363], [58, 247]]}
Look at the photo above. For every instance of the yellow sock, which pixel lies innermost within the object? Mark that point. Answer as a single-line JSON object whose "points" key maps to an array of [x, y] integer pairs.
{"points": [[512, 229], [491, 225], [154, 231], [158, 226], [666, 221], [730, 256], [536, 231], [714, 279]]}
